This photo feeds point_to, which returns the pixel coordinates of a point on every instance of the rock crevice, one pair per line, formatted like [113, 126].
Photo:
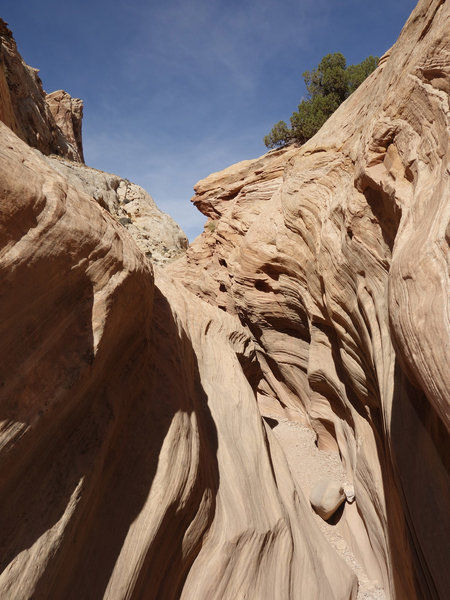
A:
[171, 433]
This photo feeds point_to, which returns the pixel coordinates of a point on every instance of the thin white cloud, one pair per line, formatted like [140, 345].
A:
[208, 37]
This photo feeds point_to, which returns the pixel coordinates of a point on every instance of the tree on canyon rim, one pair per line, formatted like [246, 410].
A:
[328, 86]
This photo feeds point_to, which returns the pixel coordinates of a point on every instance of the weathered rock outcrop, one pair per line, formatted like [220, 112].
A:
[155, 232]
[162, 433]
[25, 110]
[68, 115]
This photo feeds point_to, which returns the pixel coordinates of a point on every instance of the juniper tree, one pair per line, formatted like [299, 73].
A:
[328, 86]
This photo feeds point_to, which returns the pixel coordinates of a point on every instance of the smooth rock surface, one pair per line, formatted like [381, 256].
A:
[326, 497]
[131, 438]
[161, 431]
[341, 275]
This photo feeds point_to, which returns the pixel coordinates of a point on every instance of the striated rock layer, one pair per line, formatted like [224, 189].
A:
[335, 257]
[164, 432]
[130, 436]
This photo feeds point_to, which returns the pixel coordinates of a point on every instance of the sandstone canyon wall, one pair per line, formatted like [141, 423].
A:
[165, 431]
[26, 110]
[52, 123]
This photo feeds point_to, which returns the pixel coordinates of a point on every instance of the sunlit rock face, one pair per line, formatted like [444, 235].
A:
[155, 232]
[171, 433]
[340, 274]
[52, 124]
[68, 115]
[134, 459]
[25, 109]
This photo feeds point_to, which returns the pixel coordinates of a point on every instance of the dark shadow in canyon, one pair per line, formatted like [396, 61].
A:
[41, 389]
[421, 456]
[107, 441]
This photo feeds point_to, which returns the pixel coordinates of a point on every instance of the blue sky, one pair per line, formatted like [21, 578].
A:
[174, 90]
